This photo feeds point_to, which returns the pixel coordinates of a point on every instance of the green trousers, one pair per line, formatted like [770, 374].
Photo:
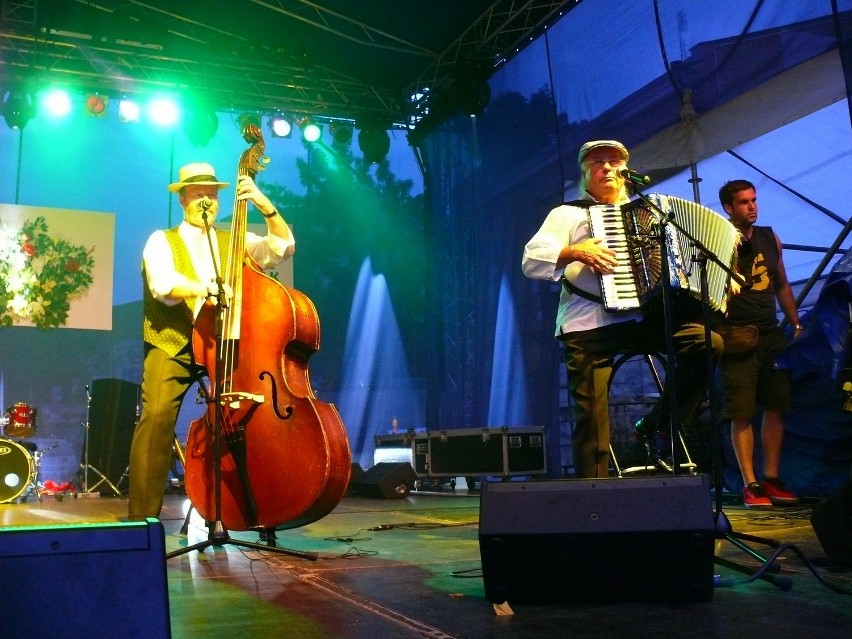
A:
[165, 381]
[589, 358]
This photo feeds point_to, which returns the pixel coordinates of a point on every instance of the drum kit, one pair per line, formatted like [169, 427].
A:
[20, 461]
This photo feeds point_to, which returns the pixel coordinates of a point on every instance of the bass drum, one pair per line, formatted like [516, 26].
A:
[17, 470]
[20, 421]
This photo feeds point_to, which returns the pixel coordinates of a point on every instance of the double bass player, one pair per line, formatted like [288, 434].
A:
[178, 276]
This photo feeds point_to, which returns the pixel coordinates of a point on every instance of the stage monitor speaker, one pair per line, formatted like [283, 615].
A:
[386, 480]
[84, 580]
[832, 523]
[355, 473]
[597, 540]
[112, 419]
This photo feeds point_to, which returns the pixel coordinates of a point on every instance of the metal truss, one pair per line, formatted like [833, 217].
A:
[230, 70]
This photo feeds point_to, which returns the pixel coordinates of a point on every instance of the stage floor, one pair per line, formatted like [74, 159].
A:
[407, 568]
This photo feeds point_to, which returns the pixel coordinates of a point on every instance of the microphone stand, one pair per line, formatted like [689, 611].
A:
[217, 533]
[723, 528]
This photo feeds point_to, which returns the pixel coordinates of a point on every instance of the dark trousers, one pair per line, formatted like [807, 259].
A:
[589, 358]
[165, 381]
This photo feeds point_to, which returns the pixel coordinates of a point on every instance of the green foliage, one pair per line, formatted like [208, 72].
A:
[40, 275]
[353, 211]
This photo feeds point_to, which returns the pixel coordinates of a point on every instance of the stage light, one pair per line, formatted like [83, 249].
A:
[163, 111]
[57, 102]
[279, 126]
[473, 94]
[311, 131]
[200, 123]
[96, 104]
[374, 142]
[341, 133]
[128, 110]
[17, 110]
[246, 118]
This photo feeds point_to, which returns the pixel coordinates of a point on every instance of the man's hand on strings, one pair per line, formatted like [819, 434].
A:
[248, 190]
[211, 291]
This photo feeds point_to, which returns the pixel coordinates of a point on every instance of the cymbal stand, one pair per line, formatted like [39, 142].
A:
[86, 466]
[217, 533]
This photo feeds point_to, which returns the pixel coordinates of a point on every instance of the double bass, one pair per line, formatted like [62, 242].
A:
[283, 455]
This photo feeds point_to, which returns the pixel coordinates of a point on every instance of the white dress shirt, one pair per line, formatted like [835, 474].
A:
[566, 225]
[160, 267]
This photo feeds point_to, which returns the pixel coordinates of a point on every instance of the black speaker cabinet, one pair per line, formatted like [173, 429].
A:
[112, 419]
[355, 473]
[832, 523]
[84, 580]
[636, 539]
[386, 480]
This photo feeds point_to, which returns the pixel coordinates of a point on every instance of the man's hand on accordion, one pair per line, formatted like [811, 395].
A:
[593, 253]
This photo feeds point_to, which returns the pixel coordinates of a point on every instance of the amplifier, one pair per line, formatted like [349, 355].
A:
[112, 576]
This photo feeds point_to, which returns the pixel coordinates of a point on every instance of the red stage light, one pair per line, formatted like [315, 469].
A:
[96, 105]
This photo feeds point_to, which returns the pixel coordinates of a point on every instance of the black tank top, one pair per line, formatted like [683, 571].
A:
[757, 261]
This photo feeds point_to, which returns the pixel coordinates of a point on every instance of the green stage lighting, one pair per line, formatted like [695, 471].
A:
[311, 131]
[17, 109]
[57, 102]
[163, 111]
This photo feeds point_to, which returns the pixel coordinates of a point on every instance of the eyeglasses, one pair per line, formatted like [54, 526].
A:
[615, 163]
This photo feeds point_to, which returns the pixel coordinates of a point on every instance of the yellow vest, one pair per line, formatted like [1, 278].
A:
[170, 327]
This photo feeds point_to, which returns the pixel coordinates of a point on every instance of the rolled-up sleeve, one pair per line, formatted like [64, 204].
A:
[270, 250]
[541, 253]
[160, 270]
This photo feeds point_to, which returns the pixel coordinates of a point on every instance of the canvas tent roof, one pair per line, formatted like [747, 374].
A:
[758, 94]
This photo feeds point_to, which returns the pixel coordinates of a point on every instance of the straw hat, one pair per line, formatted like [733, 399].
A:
[196, 173]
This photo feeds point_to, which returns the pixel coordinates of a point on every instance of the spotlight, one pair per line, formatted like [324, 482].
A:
[473, 94]
[128, 110]
[200, 123]
[96, 104]
[163, 111]
[279, 126]
[374, 142]
[341, 133]
[57, 102]
[245, 119]
[17, 110]
[311, 131]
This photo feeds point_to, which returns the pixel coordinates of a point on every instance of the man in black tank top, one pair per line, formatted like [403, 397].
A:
[751, 379]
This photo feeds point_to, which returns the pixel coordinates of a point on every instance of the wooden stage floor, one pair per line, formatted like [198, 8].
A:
[410, 568]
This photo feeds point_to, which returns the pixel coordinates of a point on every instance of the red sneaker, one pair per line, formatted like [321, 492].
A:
[755, 497]
[777, 491]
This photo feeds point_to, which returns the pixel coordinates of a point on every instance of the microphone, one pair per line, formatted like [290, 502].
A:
[634, 177]
[205, 203]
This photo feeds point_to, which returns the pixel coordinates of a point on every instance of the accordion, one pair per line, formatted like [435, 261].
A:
[633, 231]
